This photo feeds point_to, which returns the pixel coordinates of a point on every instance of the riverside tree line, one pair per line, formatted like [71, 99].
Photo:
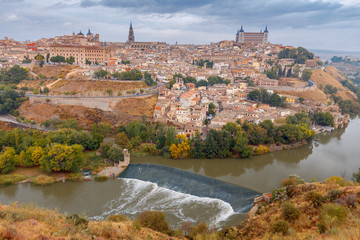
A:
[62, 150]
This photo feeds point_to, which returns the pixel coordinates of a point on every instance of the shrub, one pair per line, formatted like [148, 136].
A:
[77, 220]
[336, 180]
[154, 220]
[44, 180]
[290, 212]
[149, 148]
[350, 200]
[117, 218]
[101, 178]
[335, 193]
[316, 198]
[332, 213]
[196, 232]
[288, 182]
[280, 226]
[75, 177]
[6, 180]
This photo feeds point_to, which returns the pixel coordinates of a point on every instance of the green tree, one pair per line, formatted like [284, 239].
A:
[70, 60]
[212, 108]
[101, 73]
[198, 148]
[324, 119]
[57, 59]
[306, 75]
[257, 135]
[202, 83]
[241, 146]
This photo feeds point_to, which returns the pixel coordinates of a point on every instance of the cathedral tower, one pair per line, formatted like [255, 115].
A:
[131, 37]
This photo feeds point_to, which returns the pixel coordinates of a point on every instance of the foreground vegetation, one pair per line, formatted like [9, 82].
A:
[297, 210]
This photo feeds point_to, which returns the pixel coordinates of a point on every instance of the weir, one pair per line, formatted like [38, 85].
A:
[239, 198]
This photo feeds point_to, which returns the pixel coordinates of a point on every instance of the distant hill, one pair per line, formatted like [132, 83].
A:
[325, 54]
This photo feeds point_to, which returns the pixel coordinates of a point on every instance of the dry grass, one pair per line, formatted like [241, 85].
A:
[137, 106]
[313, 95]
[55, 71]
[81, 86]
[307, 225]
[44, 180]
[32, 223]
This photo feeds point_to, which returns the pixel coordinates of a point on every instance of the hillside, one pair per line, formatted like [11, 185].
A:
[31, 223]
[82, 86]
[313, 95]
[331, 76]
[57, 71]
[129, 109]
[329, 210]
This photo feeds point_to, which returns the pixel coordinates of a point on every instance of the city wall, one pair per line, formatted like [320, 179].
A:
[103, 103]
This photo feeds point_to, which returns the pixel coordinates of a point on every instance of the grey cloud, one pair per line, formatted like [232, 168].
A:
[281, 13]
[148, 6]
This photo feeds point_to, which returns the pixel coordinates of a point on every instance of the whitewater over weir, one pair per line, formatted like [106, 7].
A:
[183, 196]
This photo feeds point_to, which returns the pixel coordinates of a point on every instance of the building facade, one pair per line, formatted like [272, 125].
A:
[252, 37]
[94, 54]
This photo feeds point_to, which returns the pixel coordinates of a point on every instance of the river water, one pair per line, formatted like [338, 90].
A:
[216, 191]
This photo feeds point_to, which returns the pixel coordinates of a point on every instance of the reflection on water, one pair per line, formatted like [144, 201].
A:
[329, 154]
[183, 196]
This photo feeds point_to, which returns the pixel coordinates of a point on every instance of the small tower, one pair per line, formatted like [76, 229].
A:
[131, 37]
[241, 35]
[266, 35]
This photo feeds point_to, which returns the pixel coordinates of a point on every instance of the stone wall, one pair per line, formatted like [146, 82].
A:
[102, 103]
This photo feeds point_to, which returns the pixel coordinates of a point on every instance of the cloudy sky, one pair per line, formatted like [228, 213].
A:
[315, 24]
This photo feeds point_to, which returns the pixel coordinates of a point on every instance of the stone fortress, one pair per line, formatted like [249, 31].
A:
[252, 37]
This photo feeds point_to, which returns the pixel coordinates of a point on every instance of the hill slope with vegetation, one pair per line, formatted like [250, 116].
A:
[298, 210]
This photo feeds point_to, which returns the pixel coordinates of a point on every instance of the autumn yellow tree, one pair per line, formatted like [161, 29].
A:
[62, 158]
[180, 149]
[121, 139]
[7, 160]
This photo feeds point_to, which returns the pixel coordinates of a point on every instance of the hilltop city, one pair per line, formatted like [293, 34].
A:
[189, 78]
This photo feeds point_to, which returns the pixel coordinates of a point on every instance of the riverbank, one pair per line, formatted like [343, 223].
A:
[298, 210]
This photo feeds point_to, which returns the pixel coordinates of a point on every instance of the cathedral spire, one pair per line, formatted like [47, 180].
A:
[131, 37]
[266, 30]
[241, 30]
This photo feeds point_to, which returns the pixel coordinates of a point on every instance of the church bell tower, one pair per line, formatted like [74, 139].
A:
[131, 37]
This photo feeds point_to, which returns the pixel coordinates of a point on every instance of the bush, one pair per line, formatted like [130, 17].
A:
[335, 193]
[290, 212]
[149, 148]
[154, 220]
[316, 198]
[336, 180]
[350, 200]
[44, 180]
[280, 226]
[198, 230]
[101, 178]
[288, 182]
[75, 177]
[77, 220]
[6, 180]
[117, 218]
[333, 214]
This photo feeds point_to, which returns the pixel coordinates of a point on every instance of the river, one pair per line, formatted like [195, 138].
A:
[217, 191]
